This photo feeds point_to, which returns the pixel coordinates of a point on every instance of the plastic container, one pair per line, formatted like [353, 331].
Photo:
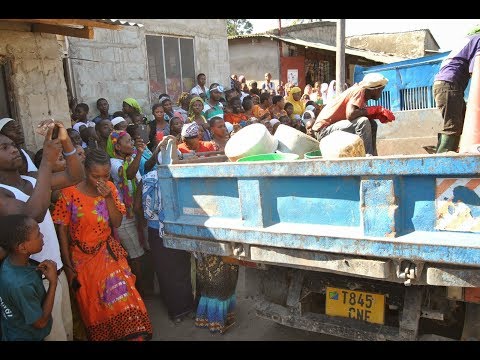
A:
[251, 140]
[341, 144]
[269, 157]
[316, 154]
[292, 141]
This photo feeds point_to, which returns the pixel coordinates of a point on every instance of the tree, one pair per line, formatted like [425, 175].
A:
[238, 27]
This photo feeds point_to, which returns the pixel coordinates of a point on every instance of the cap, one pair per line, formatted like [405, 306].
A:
[117, 120]
[373, 81]
[5, 121]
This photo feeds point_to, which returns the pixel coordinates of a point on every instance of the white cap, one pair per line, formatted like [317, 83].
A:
[373, 81]
[117, 120]
[4, 121]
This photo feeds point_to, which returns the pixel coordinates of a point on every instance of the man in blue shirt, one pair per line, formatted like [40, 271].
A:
[449, 88]
[103, 107]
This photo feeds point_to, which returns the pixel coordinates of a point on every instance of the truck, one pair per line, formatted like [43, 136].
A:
[375, 248]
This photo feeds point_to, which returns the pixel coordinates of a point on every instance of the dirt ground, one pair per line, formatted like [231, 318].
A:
[248, 326]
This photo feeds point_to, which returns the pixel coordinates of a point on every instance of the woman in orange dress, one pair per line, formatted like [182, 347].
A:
[95, 264]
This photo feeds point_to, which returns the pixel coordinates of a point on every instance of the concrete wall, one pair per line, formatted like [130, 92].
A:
[38, 82]
[430, 44]
[253, 58]
[210, 41]
[114, 64]
[410, 44]
[320, 31]
[325, 34]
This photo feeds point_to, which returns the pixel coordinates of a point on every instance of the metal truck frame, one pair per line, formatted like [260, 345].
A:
[331, 237]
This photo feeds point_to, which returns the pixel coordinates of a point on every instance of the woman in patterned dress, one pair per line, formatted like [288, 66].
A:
[216, 281]
[95, 264]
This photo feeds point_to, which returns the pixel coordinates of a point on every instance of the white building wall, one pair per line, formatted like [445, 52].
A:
[114, 64]
[253, 57]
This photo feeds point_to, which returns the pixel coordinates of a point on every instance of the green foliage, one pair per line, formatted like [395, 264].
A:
[238, 27]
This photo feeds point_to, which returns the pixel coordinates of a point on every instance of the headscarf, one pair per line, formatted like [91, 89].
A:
[190, 130]
[274, 121]
[133, 103]
[312, 116]
[330, 92]
[298, 106]
[308, 89]
[127, 195]
[190, 106]
[163, 98]
[182, 98]
[323, 91]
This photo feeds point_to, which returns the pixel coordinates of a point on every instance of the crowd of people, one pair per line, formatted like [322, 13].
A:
[84, 214]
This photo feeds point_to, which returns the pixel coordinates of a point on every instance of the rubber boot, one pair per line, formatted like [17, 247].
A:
[447, 143]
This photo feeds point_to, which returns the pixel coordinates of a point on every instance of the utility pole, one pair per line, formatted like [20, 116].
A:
[280, 52]
[340, 59]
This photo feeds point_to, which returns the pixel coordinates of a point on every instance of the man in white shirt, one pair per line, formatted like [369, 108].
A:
[199, 89]
[269, 85]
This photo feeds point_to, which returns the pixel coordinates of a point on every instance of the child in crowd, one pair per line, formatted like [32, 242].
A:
[289, 109]
[176, 128]
[25, 306]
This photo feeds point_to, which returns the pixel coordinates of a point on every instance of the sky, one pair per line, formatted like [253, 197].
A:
[446, 32]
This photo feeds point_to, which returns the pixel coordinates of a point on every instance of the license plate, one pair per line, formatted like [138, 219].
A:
[357, 305]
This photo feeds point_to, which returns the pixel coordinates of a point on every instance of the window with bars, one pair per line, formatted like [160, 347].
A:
[417, 98]
[170, 66]
[383, 101]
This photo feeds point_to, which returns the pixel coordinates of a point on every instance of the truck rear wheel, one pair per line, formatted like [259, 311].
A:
[471, 325]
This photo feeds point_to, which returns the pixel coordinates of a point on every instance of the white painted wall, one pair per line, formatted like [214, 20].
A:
[253, 57]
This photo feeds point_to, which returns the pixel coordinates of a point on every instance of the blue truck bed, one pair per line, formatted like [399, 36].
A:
[422, 208]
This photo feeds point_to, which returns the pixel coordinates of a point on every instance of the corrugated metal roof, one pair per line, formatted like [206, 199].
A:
[118, 22]
[383, 58]
[249, 36]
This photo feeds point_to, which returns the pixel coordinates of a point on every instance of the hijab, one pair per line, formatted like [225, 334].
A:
[298, 106]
